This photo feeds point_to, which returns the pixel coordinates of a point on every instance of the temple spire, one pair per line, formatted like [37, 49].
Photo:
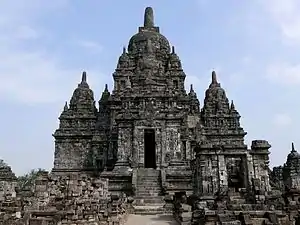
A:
[106, 88]
[191, 89]
[232, 106]
[66, 106]
[83, 78]
[148, 18]
[214, 81]
[173, 50]
[214, 77]
[293, 147]
[83, 83]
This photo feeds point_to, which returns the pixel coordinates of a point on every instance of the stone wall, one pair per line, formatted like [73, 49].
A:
[71, 199]
[194, 210]
[65, 150]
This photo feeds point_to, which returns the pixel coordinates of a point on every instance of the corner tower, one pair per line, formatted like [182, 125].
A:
[76, 129]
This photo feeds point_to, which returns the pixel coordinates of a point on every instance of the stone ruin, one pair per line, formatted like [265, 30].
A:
[63, 200]
[150, 148]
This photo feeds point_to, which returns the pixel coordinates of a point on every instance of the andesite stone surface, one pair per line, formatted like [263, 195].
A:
[149, 148]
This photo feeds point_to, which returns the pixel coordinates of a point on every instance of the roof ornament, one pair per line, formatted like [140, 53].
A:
[148, 18]
[66, 106]
[214, 77]
[83, 83]
[173, 50]
[232, 106]
[214, 81]
[293, 147]
[191, 88]
[83, 78]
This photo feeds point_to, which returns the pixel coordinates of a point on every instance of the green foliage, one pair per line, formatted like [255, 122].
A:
[27, 180]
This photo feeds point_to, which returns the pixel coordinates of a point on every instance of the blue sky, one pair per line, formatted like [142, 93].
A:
[45, 45]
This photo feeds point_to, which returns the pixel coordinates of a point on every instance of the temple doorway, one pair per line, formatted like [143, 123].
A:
[149, 146]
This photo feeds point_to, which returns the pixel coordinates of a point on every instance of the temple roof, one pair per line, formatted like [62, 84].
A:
[149, 32]
[83, 96]
[293, 154]
[215, 97]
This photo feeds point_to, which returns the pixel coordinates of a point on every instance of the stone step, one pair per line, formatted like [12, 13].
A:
[148, 172]
[143, 188]
[145, 201]
[147, 194]
[148, 186]
[143, 184]
[149, 210]
[151, 181]
[148, 175]
[160, 197]
[148, 179]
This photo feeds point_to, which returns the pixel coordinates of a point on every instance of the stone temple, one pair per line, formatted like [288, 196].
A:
[149, 126]
[150, 148]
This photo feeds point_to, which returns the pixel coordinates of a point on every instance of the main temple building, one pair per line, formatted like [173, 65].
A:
[150, 126]
[148, 139]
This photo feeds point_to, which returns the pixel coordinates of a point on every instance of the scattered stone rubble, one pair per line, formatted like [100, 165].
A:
[70, 199]
[150, 148]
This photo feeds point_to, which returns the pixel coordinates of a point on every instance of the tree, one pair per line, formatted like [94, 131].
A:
[28, 179]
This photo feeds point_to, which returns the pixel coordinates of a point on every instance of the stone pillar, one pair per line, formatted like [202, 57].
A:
[189, 150]
[159, 151]
[173, 145]
[222, 172]
[124, 146]
[164, 147]
[260, 155]
[250, 169]
[136, 147]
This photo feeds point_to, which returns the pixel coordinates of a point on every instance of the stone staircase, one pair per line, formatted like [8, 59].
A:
[148, 199]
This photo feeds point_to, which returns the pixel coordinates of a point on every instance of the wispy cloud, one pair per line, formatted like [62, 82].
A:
[91, 46]
[31, 75]
[286, 15]
[284, 73]
[282, 119]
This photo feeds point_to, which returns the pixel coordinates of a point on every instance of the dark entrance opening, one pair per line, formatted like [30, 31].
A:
[149, 146]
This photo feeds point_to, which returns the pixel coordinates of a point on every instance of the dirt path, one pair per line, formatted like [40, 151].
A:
[150, 220]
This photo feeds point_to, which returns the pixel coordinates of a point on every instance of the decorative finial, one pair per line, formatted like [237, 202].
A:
[83, 78]
[66, 106]
[214, 82]
[232, 106]
[293, 147]
[191, 89]
[124, 50]
[106, 88]
[148, 18]
[173, 50]
[214, 77]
